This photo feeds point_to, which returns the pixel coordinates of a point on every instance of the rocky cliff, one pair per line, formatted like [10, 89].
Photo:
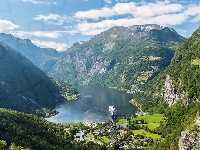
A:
[170, 92]
[190, 139]
[121, 57]
[176, 93]
[180, 81]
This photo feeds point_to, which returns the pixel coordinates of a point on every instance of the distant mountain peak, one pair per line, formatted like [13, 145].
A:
[114, 57]
[44, 58]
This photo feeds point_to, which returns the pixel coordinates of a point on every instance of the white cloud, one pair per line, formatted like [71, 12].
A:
[46, 18]
[108, 1]
[51, 44]
[95, 21]
[194, 11]
[134, 9]
[53, 18]
[47, 34]
[196, 19]
[128, 14]
[39, 2]
[98, 27]
[7, 25]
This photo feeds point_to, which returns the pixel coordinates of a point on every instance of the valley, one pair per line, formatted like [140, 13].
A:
[151, 65]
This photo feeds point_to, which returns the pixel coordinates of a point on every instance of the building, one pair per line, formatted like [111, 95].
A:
[80, 136]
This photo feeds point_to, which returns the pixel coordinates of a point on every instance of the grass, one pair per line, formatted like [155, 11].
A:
[152, 120]
[96, 140]
[121, 121]
[156, 118]
[196, 62]
[148, 134]
[88, 136]
[105, 139]
[153, 125]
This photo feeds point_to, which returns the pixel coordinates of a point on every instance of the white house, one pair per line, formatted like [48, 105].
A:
[80, 136]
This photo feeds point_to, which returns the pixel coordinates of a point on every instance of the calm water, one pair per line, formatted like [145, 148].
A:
[93, 106]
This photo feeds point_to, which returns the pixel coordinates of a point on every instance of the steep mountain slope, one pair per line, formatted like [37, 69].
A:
[121, 57]
[180, 80]
[23, 86]
[43, 58]
[177, 87]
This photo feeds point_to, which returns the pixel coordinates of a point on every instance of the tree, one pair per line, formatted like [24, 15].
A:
[3, 144]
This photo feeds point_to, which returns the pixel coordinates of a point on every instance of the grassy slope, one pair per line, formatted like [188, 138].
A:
[148, 134]
[153, 121]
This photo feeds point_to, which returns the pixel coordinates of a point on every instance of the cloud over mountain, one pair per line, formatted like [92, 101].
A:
[7, 25]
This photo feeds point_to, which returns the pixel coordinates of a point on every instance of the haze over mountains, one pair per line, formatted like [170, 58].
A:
[121, 57]
[44, 58]
[156, 62]
[24, 87]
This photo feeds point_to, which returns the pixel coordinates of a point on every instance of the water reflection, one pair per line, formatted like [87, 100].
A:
[93, 106]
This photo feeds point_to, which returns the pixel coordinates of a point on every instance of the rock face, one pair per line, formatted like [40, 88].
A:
[122, 57]
[197, 123]
[170, 93]
[190, 140]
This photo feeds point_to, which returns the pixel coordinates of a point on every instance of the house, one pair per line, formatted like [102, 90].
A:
[80, 136]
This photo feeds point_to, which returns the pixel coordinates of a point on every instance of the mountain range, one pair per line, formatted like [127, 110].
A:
[44, 58]
[26, 88]
[154, 61]
[121, 57]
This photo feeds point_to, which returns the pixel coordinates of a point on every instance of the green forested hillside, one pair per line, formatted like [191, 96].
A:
[35, 133]
[43, 58]
[185, 67]
[177, 87]
[121, 57]
[26, 88]
[184, 74]
[66, 90]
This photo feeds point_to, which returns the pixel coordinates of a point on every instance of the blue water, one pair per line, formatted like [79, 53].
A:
[93, 106]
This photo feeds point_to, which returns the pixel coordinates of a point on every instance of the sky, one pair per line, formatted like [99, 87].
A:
[59, 24]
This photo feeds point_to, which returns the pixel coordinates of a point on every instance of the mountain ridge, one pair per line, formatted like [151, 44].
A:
[44, 58]
[26, 88]
[113, 57]
[176, 93]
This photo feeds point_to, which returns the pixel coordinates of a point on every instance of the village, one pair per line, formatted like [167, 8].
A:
[133, 132]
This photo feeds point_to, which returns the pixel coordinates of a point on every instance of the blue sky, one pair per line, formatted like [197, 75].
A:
[59, 24]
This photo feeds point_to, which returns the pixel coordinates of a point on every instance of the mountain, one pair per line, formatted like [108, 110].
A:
[121, 57]
[44, 58]
[180, 80]
[176, 93]
[24, 87]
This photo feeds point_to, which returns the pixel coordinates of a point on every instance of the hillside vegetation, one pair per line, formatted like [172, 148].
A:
[43, 58]
[26, 88]
[121, 57]
[177, 87]
[35, 133]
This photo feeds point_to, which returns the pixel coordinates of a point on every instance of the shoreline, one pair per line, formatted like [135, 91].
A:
[132, 101]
